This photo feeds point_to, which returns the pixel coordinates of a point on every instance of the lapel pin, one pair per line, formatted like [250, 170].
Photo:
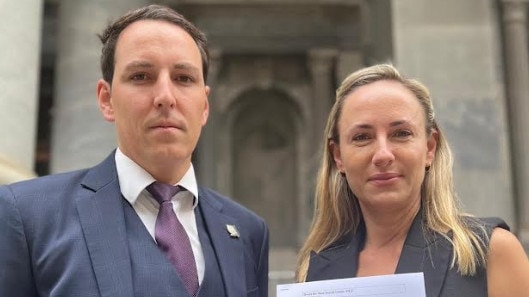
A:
[232, 230]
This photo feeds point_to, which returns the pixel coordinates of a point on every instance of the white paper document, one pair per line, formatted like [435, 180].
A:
[394, 285]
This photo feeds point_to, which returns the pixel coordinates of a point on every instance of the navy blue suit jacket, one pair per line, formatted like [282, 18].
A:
[65, 235]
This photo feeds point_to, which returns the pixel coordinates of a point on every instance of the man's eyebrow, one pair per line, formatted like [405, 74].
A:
[138, 64]
[186, 66]
[146, 65]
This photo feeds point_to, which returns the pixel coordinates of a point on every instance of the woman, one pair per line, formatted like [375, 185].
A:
[385, 202]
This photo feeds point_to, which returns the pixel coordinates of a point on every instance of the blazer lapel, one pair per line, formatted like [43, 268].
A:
[101, 214]
[338, 261]
[229, 250]
[429, 253]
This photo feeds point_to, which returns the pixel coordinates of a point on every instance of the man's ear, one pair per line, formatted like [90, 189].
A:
[104, 100]
[205, 113]
[337, 155]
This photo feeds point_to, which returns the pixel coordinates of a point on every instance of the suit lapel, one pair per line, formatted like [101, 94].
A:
[102, 219]
[429, 253]
[229, 250]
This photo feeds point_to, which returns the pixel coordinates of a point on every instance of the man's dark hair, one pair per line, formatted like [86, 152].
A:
[110, 35]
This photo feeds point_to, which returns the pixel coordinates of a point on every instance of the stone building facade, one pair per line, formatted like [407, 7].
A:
[275, 66]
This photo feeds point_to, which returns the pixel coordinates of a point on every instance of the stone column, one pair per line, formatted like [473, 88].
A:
[80, 135]
[207, 148]
[453, 47]
[21, 23]
[321, 65]
[347, 62]
[517, 78]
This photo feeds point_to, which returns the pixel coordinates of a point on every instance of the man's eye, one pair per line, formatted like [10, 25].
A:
[139, 76]
[184, 78]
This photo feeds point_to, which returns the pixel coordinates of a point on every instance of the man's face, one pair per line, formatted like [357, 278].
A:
[158, 98]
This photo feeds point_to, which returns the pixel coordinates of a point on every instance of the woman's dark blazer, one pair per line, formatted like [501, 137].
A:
[422, 252]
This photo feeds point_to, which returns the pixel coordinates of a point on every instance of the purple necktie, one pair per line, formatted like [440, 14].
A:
[171, 236]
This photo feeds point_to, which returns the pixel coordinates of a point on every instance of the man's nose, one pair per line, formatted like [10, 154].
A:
[164, 92]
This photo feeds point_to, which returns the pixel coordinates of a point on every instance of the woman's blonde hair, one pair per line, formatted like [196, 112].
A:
[337, 212]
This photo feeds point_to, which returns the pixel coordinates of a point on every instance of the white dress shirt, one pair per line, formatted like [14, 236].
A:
[133, 180]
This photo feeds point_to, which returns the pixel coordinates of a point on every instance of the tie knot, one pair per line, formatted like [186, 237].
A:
[163, 192]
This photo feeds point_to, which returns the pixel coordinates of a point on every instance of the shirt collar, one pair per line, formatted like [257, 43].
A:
[133, 179]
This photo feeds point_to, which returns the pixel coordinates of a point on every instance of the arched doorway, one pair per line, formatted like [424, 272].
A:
[264, 161]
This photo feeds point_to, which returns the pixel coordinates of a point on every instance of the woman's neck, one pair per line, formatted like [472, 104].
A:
[388, 228]
[384, 241]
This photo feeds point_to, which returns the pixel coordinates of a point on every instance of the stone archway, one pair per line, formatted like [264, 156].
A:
[264, 162]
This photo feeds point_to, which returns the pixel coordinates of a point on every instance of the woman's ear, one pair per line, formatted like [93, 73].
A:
[337, 156]
[431, 145]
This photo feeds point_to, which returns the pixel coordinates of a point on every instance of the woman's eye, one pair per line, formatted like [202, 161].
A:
[360, 137]
[403, 133]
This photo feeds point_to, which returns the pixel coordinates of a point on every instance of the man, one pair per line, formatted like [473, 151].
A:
[97, 232]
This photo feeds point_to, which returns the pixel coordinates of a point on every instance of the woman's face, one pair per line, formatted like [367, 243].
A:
[383, 148]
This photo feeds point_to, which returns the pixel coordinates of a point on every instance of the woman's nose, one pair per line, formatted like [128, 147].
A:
[383, 155]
